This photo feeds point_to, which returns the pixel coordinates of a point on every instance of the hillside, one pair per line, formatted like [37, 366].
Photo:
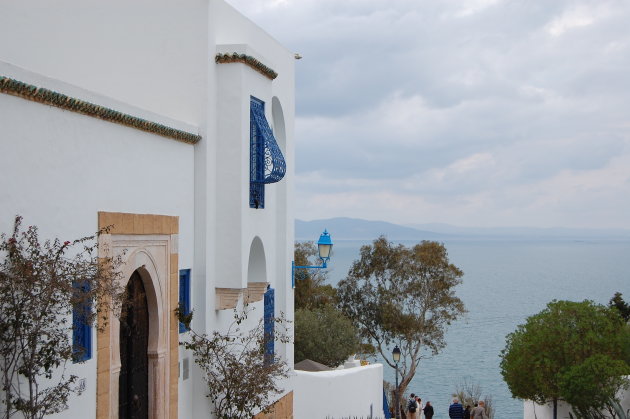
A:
[355, 229]
[344, 228]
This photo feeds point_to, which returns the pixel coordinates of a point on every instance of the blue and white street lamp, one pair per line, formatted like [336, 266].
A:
[324, 246]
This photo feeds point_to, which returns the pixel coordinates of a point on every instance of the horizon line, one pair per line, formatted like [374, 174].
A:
[416, 226]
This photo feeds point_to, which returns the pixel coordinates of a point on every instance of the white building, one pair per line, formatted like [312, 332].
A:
[137, 114]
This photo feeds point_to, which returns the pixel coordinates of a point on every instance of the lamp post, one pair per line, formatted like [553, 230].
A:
[396, 357]
[324, 246]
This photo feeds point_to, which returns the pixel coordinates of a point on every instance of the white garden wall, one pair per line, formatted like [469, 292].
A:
[532, 410]
[352, 392]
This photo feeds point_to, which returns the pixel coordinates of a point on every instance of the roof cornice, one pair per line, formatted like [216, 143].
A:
[49, 97]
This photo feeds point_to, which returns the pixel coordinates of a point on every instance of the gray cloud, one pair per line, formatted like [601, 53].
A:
[483, 112]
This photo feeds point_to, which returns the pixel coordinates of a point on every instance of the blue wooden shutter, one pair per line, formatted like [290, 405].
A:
[184, 294]
[81, 330]
[269, 317]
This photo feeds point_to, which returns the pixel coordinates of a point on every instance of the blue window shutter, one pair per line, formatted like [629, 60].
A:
[269, 317]
[184, 294]
[267, 163]
[81, 329]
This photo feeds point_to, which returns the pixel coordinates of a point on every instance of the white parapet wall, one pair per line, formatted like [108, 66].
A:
[532, 410]
[346, 393]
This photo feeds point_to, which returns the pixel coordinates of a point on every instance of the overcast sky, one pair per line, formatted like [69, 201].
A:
[468, 112]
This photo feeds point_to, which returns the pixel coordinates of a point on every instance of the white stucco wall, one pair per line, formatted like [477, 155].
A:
[532, 410]
[61, 168]
[154, 60]
[236, 224]
[148, 53]
[352, 392]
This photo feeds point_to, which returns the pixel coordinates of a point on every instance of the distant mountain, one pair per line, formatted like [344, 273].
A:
[343, 228]
[355, 229]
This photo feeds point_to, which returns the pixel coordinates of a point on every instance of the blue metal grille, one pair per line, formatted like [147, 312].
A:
[256, 166]
[81, 330]
[184, 295]
[267, 163]
[388, 414]
[269, 318]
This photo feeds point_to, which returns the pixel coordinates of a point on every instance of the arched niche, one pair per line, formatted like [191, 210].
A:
[256, 271]
[279, 131]
[282, 251]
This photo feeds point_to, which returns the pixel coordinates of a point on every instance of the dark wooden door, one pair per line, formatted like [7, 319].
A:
[134, 339]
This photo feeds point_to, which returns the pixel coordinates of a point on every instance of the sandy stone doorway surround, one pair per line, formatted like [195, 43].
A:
[148, 244]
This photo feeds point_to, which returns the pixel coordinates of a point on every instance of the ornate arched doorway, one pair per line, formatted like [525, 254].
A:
[147, 245]
[133, 390]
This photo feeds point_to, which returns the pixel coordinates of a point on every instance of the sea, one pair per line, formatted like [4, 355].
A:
[505, 281]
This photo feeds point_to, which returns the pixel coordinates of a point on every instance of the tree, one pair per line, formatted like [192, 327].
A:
[241, 380]
[316, 314]
[618, 303]
[402, 295]
[310, 290]
[40, 286]
[314, 340]
[625, 337]
[590, 387]
[539, 356]
[469, 393]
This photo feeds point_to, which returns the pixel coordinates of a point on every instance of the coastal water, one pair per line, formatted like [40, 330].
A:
[504, 282]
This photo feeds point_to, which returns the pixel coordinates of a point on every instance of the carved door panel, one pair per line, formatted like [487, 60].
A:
[134, 339]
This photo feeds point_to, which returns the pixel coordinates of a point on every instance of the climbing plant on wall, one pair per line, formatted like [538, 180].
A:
[235, 366]
[47, 289]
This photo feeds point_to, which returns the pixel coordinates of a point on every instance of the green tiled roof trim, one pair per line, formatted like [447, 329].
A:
[247, 60]
[59, 100]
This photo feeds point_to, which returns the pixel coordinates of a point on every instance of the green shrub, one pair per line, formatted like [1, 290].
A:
[324, 335]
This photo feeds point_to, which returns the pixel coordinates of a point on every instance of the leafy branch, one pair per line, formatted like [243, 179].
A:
[40, 286]
[241, 380]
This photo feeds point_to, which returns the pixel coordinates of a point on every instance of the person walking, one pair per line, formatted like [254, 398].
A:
[412, 407]
[479, 412]
[467, 412]
[428, 411]
[456, 411]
